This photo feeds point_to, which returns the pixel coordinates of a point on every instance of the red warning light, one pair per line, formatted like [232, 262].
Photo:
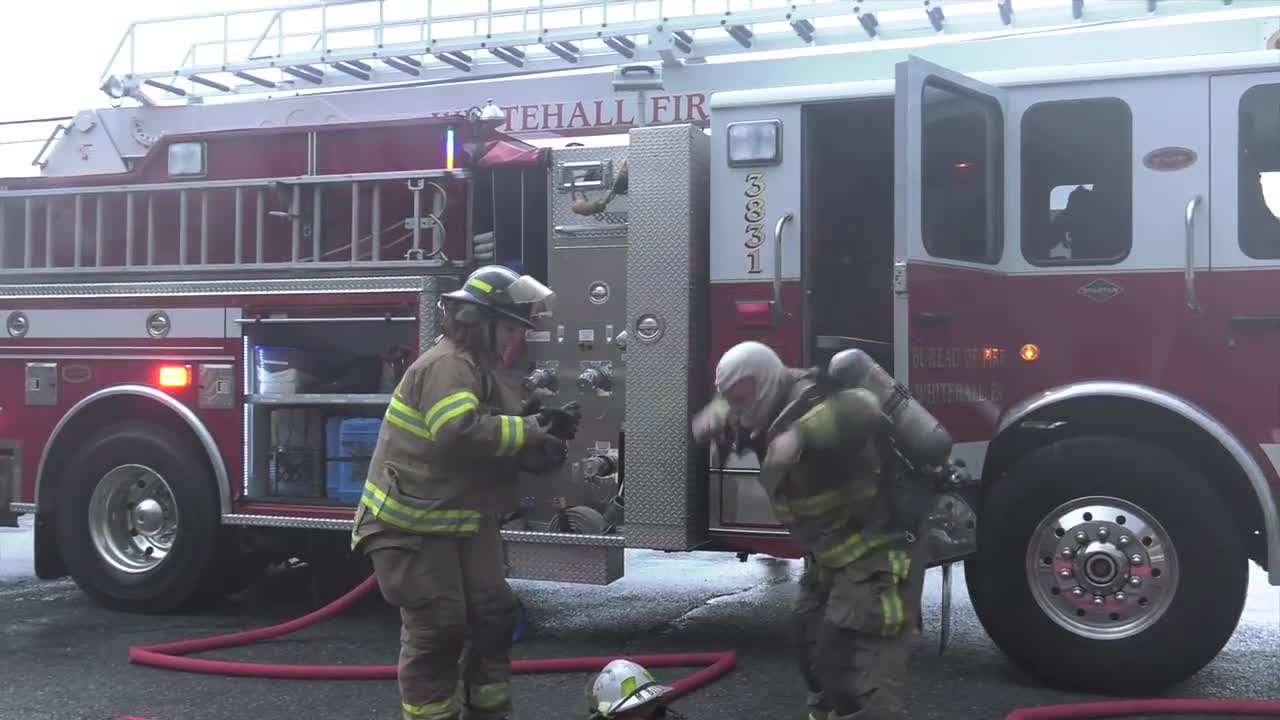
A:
[174, 376]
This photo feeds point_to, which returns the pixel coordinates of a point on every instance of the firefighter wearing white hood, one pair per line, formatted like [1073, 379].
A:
[860, 591]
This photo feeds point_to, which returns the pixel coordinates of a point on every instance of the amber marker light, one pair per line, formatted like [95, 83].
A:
[1029, 352]
[174, 376]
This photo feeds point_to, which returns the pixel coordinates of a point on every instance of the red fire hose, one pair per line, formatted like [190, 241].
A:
[168, 655]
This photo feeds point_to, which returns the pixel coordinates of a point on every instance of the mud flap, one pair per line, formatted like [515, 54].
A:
[8, 488]
[944, 625]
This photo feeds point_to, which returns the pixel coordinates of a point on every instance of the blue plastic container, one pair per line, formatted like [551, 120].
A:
[350, 443]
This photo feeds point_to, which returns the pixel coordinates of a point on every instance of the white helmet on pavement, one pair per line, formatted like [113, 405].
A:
[623, 687]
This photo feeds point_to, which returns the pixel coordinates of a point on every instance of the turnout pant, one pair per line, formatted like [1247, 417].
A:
[457, 614]
[855, 625]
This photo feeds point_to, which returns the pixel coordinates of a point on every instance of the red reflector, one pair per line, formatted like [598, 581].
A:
[755, 313]
[174, 376]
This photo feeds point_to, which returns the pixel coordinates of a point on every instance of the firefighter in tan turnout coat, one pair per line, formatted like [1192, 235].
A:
[443, 471]
[822, 466]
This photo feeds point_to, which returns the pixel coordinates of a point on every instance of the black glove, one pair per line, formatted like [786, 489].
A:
[543, 456]
[561, 422]
[531, 406]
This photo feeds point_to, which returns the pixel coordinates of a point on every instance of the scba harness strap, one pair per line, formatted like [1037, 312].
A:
[910, 493]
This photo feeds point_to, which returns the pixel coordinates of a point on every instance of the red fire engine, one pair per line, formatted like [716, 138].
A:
[206, 306]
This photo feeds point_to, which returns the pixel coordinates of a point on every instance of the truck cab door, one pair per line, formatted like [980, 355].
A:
[1240, 296]
[950, 208]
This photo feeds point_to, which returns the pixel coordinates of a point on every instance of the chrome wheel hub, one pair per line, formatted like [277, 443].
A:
[1102, 568]
[133, 518]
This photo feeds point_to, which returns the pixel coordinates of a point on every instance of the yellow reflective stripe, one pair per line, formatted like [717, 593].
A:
[450, 407]
[407, 425]
[899, 565]
[827, 501]
[851, 549]
[510, 434]
[892, 611]
[819, 426]
[480, 285]
[440, 710]
[519, 423]
[783, 511]
[403, 416]
[490, 696]
[629, 685]
[399, 404]
[504, 434]
[397, 514]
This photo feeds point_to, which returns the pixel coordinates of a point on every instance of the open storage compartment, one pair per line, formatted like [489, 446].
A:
[318, 380]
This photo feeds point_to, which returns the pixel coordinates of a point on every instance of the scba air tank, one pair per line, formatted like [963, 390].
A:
[917, 434]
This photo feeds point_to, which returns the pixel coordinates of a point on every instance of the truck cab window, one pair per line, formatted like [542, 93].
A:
[963, 175]
[1259, 172]
[1077, 182]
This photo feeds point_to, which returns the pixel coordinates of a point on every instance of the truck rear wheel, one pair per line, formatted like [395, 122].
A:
[1107, 565]
[138, 518]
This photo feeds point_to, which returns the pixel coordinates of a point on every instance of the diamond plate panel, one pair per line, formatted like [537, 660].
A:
[556, 557]
[667, 281]
[586, 252]
[588, 564]
[569, 229]
[433, 286]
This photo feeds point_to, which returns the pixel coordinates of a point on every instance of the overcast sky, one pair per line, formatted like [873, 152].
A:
[54, 52]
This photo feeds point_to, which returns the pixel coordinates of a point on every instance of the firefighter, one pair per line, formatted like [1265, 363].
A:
[442, 472]
[625, 690]
[822, 463]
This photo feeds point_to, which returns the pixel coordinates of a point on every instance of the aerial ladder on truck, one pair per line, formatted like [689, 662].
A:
[550, 63]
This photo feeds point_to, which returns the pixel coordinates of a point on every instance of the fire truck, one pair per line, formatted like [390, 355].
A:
[1054, 225]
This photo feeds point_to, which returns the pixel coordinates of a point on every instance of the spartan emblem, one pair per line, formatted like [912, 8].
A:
[1100, 290]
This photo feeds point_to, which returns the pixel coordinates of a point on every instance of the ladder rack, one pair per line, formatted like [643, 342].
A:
[335, 43]
[316, 222]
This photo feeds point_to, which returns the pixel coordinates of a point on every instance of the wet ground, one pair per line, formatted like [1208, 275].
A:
[61, 658]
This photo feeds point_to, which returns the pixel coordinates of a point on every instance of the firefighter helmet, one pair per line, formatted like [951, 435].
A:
[623, 687]
[503, 292]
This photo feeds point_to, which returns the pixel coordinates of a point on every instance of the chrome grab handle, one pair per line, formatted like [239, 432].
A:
[777, 265]
[1189, 272]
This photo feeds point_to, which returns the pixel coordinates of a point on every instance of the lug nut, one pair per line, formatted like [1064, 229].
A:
[1068, 553]
[1120, 596]
[1081, 537]
[1135, 559]
[1135, 581]
[1064, 573]
[1077, 591]
[1103, 533]
[1123, 540]
[1098, 600]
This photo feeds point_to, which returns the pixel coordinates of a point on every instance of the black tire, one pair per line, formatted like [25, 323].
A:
[191, 556]
[1211, 566]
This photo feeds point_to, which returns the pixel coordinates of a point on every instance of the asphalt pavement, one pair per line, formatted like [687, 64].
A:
[62, 658]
